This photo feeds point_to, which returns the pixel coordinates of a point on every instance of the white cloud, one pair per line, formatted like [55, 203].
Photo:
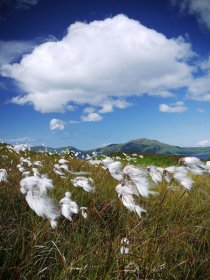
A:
[56, 124]
[109, 105]
[89, 110]
[12, 50]
[199, 88]
[100, 62]
[204, 143]
[199, 8]
[178, 107]
[91, 117]
[22, 139]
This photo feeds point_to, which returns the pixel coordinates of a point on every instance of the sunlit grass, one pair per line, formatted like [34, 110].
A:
[170, 241]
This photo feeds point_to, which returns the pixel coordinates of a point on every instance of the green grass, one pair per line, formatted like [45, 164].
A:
[170, 241]
[149, 159]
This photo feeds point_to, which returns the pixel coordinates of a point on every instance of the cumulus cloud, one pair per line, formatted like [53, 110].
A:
[56, 124]
[100, 63]
[204, 143]
[91, 117]
[199, 8]
[109, 105]
[177, 107]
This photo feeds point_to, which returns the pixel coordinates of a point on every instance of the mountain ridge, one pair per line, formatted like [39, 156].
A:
[141, 145]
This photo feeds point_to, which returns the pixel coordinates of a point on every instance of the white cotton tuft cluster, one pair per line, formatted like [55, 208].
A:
[62, 161]
[155, 174]
[34, 189]
[21, 148]
[194, 165]
[68, 206]
[192, 161]
[26, 160]
[3, 175]
[26, 163]
[42, 184]
[84, 212]
[94, 161]
[37, 163]
[21, 168]
[61, 167]
[134, 183]
[138, 178]
[181, 175]
[83, 182]
[171, 174]
[35, 171]
[115, 169]
[125, 246]
[125, 193]
[207, 167]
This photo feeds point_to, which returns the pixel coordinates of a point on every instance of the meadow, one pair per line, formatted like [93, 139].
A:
[171, 240]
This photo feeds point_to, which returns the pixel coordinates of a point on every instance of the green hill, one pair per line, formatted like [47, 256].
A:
[147, 146]
[142, 145]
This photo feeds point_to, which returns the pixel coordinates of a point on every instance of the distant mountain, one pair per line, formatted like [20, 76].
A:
[142, 145]
[147, 146]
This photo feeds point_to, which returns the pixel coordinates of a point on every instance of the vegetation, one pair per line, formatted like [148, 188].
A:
[170, 241]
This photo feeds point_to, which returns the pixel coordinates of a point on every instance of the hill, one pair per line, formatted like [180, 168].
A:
[142, 145]
[147, 146]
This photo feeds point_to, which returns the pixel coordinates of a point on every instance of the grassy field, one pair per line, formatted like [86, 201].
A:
[170, 241]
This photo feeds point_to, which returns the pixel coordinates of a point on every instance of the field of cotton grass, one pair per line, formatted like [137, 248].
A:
[119, 217]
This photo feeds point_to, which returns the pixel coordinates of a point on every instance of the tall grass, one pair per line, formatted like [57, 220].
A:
[170, 241]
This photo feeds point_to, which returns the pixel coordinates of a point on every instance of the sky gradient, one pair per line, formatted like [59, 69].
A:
[92, 73]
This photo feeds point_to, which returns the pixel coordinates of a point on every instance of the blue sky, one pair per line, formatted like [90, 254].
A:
[91, 73]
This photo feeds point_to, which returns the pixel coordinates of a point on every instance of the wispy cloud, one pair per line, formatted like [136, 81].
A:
[200, 110]
[199, 8]
[177, 107]
[204, 143]
[18, 4]
[26, 4]
[21, 139]
[74, 122]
